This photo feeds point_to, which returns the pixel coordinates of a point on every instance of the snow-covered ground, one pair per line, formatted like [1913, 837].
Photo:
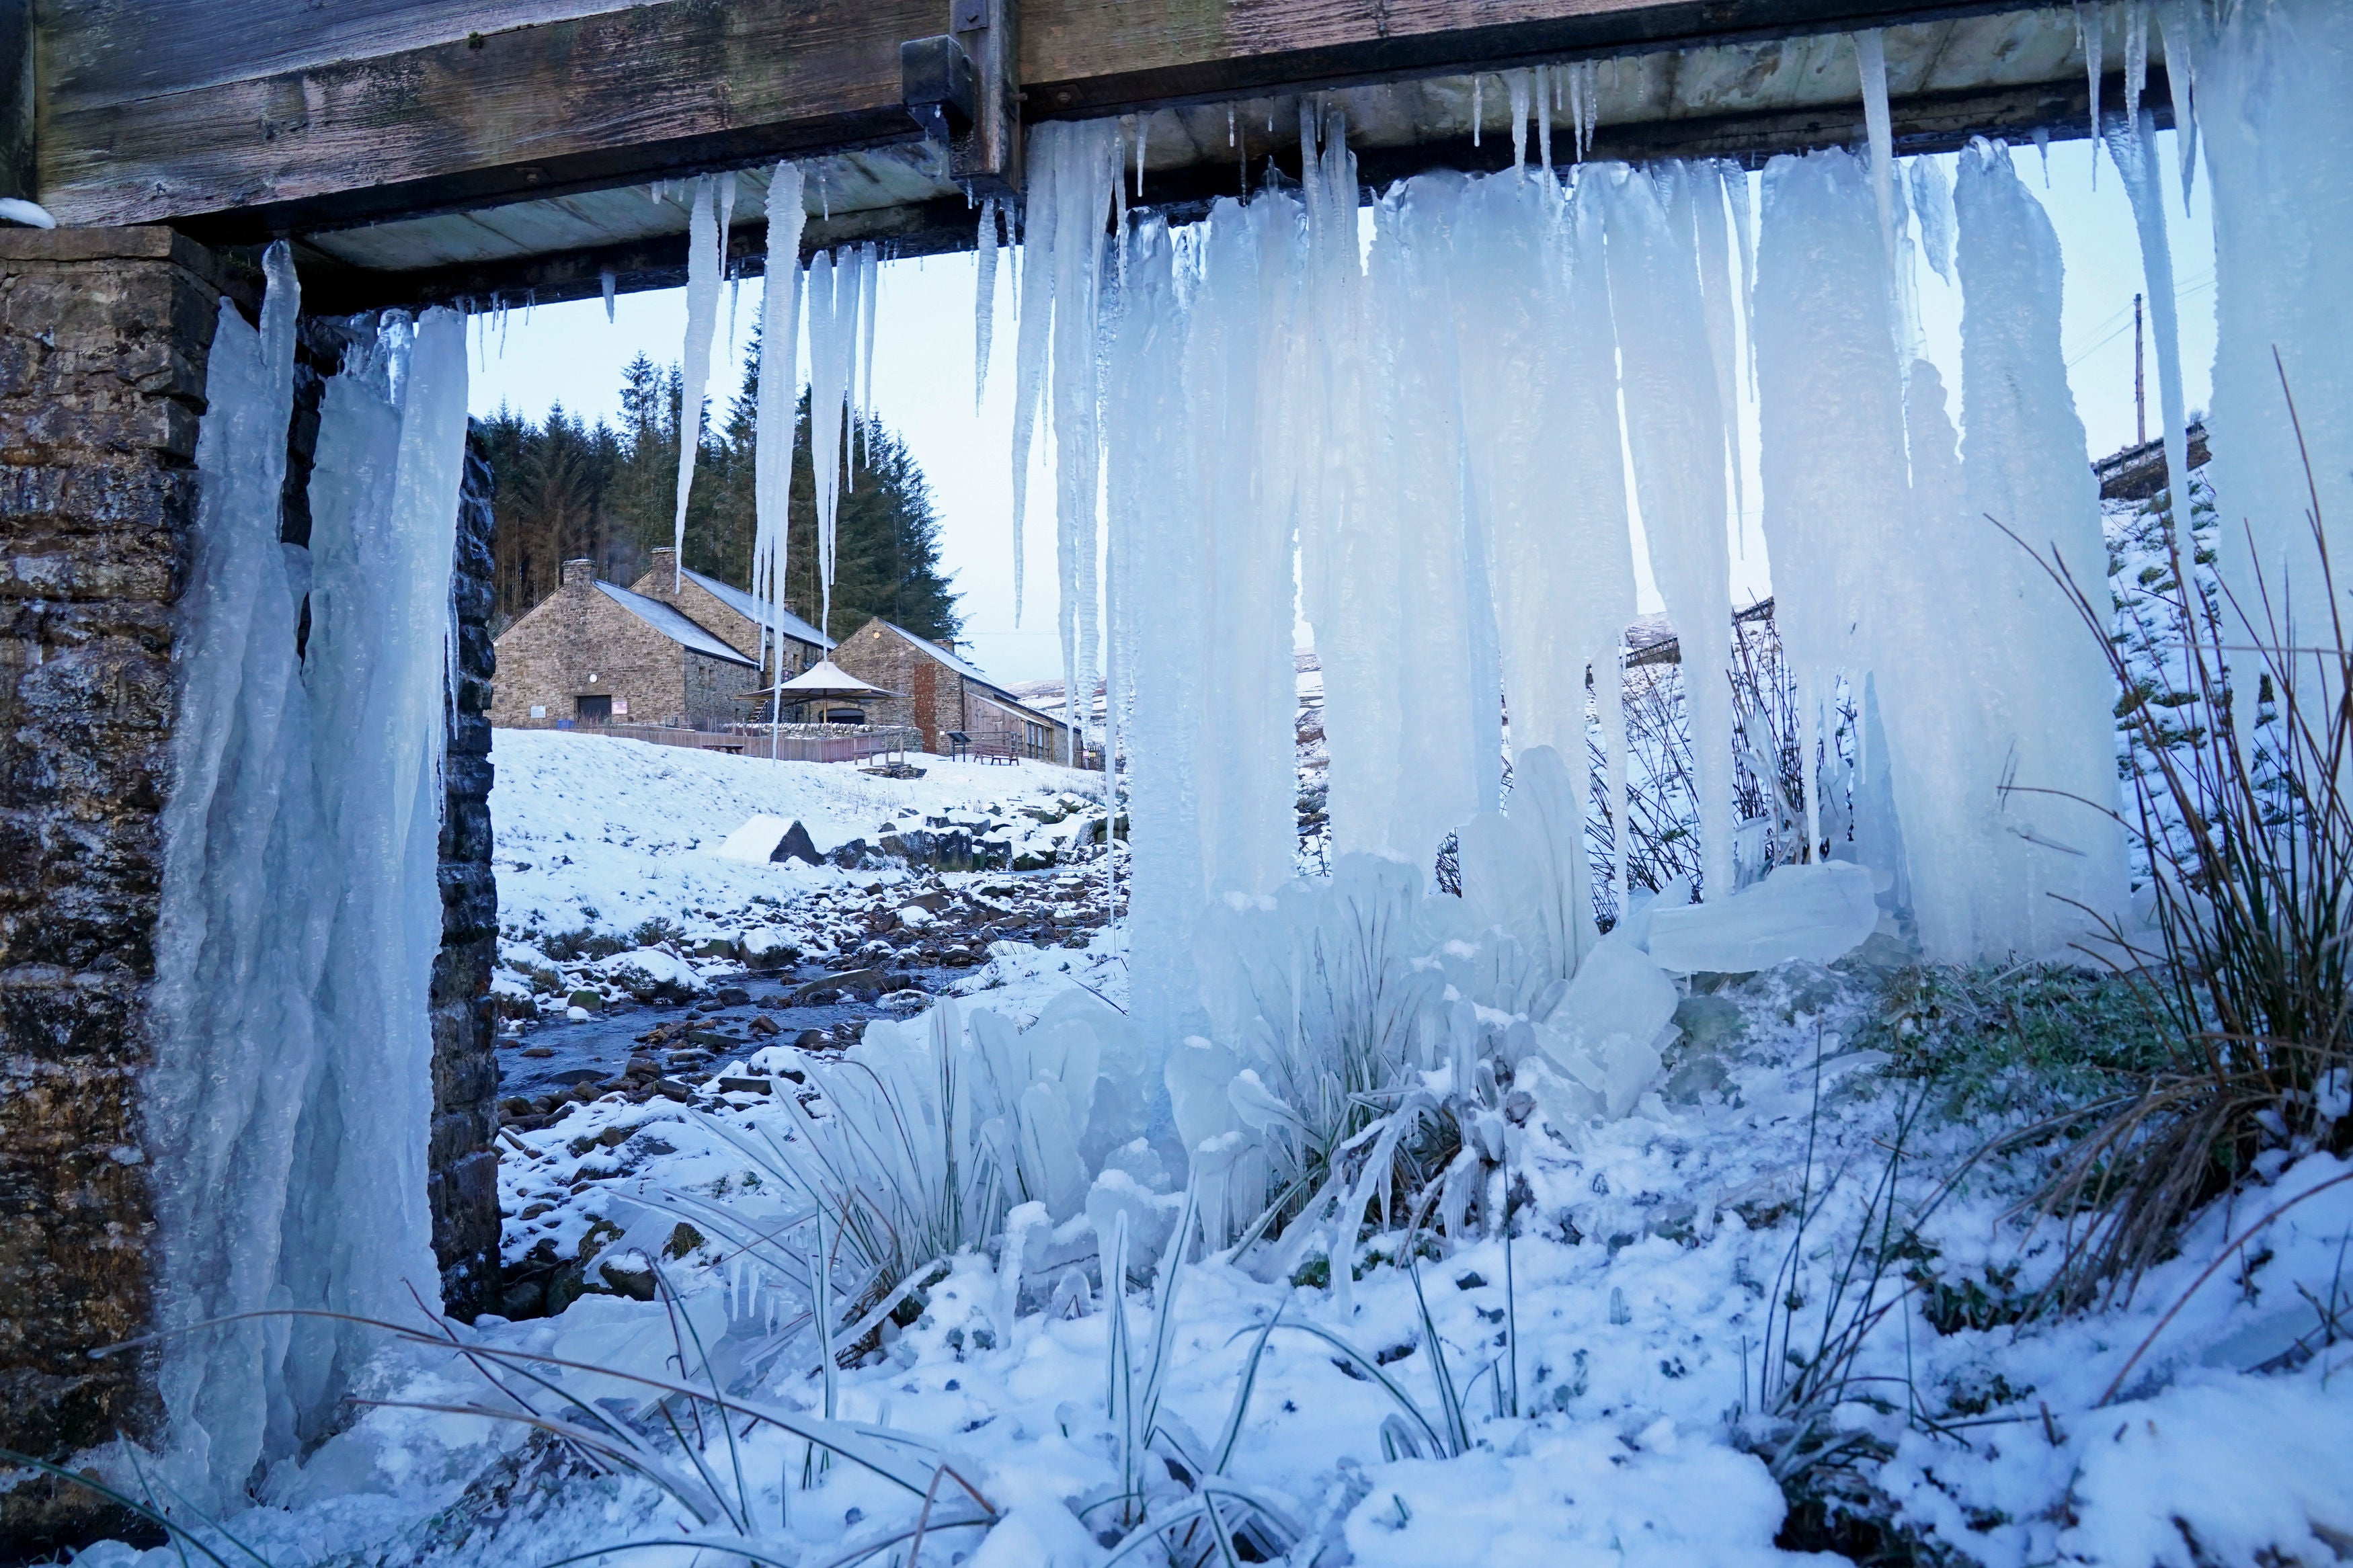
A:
[1621, 1364]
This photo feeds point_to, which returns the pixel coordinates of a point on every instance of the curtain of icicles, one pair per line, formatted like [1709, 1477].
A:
[292, 1093]
[1437, 427]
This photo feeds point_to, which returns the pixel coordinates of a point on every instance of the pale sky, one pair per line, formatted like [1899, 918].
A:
[923, 380]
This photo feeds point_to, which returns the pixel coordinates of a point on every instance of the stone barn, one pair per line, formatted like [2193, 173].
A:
[944, 693]
[677, 649]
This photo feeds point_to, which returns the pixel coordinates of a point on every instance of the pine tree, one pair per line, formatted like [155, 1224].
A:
[567, 490]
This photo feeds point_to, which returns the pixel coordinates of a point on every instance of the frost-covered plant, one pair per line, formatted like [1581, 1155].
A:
[2244, 820]
[1320, 1010]
[1380, 1047]
[914, 1145]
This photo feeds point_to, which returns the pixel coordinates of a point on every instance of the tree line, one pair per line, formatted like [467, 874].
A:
[567, 490]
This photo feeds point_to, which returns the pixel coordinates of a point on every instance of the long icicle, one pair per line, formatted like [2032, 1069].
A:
[702, 319]
[984, 308]
[773, 418]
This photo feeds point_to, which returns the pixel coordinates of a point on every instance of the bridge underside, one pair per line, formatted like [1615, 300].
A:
[413, 158]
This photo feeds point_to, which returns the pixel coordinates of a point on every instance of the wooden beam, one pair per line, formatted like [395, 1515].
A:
[256, 135]
[581, 103]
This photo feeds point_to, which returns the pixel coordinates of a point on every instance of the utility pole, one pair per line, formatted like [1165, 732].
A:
[2140, 397]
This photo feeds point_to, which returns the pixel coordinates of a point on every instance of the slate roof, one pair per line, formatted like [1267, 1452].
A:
[759, 614]
[673, 626]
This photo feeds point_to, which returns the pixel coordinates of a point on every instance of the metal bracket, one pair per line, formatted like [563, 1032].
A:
[960, 89]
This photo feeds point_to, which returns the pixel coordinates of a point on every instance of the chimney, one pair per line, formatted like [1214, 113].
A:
[579, 574]
[662, 576]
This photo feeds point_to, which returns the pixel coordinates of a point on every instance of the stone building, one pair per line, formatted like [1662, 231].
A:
[679, 648]
[943, 693]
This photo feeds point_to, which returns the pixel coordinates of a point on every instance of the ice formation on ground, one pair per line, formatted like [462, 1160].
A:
[301, 907]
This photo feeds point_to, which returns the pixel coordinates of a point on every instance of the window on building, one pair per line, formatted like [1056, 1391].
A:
[593, 710]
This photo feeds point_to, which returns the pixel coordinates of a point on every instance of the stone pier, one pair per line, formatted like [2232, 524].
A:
[103, 341]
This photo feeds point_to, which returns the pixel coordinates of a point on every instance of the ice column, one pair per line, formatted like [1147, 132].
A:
[1831, 402]
[391, 438]
[236, 964]
[2275, 87]
[1239, 398]
[772, 415]
[1085, 157]
[1675, 429]
[301, 910]
[2023, 466]
[702, 321]
[1156, 536]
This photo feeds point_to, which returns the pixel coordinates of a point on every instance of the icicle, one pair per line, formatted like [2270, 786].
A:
[1517, 84]
[2088, 32]
[984, 314]
[1715, 294]
[2135, 56]
[2042, 145]
[702, 321]
[2180, 80]
[1743, 245]
[1576, 107]
[1478, 105]
[833, 335]
[727, 269]
[774, 413]
[2133, 145]
[1675, 434]
[1932, 204]
[2024, 464]
[1142, 128]
[870, 300]
[1546, 90]
[605, 280]
[1592, 69]
[1870, 54]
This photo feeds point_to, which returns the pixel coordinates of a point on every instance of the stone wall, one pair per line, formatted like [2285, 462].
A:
[103, 338]
[462, 1178]
[714, 690]
[548, 657]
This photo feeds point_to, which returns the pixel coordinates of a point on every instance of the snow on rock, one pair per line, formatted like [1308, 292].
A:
[648, 971]
[1814, 913]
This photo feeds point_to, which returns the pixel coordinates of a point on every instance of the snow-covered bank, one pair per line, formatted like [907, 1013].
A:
[1628, 1318]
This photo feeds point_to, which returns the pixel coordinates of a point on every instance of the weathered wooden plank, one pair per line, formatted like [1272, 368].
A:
[106, 51]
[570, 105]
[1086, 57]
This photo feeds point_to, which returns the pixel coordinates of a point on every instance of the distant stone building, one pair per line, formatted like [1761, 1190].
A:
[941, 693]
[679, 648]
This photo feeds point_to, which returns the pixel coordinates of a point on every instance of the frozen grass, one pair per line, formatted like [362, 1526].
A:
[2244, 822]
